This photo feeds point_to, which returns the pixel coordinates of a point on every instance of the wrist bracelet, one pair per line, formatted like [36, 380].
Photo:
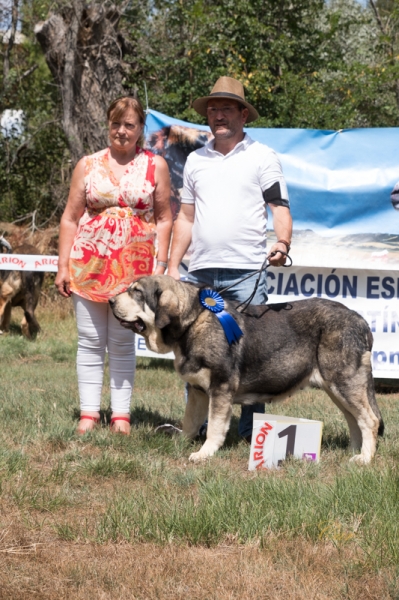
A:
[162, 263]
[288, 246]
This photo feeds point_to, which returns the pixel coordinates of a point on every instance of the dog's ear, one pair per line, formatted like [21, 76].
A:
[168, 307]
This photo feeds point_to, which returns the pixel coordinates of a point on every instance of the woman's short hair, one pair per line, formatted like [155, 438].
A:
[119, 106]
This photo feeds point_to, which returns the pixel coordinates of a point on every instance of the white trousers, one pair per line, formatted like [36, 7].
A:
[98, 332]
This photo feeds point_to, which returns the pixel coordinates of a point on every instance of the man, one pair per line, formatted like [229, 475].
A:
[226, 187]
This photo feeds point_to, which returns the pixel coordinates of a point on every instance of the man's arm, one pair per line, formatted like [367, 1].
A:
[282, 225]
[181, 238]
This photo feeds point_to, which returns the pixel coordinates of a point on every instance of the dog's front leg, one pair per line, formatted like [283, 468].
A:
[196, 412]
[219, 416]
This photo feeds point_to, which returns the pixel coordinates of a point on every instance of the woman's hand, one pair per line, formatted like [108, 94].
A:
[62, 282]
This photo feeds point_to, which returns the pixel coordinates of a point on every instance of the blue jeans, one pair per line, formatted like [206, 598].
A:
[218, 279]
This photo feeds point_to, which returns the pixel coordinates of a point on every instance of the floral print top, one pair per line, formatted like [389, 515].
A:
[116, 238]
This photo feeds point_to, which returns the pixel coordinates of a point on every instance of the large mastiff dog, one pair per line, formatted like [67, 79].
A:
[285, 347]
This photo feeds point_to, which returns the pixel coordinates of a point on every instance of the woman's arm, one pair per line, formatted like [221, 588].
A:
[162, 211]
[181, 238]
[69, 223]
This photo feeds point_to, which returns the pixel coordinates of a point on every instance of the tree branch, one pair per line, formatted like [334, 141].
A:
[28, 72]
[377, 16]
[10, 43]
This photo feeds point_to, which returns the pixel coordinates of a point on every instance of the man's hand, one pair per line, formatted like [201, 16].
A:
[282, 225]
[276, 258]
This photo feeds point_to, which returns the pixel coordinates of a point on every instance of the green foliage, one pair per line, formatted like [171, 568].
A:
[34, 164]
[303, 63]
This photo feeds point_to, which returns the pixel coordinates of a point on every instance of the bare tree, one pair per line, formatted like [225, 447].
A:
[84, 51]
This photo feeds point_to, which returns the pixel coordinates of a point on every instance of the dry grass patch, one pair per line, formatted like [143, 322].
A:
[51, 570]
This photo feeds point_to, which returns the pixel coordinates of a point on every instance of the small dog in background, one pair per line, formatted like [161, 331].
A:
[20, 288]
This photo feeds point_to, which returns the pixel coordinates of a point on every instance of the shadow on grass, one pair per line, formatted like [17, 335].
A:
[145, 364]
[14, 330]
[334, 440]
[140, 415]
[233, 438]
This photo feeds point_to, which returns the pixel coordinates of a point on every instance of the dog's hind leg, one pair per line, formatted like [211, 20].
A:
[219, 416]
[355, 439]
[5, 317]
[196, 412]
[352, 399]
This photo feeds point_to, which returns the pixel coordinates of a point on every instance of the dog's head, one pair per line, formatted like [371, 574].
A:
[149, 305]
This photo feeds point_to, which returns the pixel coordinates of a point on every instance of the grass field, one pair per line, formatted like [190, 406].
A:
[109, 517]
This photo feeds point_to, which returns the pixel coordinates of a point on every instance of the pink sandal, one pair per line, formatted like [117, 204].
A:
[96, 421]
[113, 421]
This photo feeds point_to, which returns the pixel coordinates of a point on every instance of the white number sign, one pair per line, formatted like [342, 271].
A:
[275, 438]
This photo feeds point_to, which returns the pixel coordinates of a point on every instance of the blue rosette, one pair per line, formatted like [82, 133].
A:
[214, 302]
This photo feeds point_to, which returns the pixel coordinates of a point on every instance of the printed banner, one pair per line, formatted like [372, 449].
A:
[28, 262]
[373, 294]
[339, 184]
[345, 244]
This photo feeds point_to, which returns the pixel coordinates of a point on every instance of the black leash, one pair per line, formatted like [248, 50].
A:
[264, 267]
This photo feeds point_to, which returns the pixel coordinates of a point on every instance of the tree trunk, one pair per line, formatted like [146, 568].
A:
[84, 51]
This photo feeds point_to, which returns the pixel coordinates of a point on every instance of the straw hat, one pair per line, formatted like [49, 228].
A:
[230, 89]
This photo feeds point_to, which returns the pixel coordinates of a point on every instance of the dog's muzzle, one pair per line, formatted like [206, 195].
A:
[138, 325]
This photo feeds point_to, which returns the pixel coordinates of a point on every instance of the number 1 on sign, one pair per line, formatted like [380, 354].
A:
[290, 432]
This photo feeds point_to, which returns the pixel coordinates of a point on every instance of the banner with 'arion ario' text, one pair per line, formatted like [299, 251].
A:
[345, 244]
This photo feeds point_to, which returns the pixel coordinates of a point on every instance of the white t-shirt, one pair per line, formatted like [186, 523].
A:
[230, 194]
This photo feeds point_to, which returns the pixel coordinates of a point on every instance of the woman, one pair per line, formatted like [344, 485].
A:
[116, 221]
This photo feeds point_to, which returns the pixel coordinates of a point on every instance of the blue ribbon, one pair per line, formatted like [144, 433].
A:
[214, 302]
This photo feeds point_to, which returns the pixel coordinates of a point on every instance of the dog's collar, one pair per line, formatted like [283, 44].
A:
[214, 302]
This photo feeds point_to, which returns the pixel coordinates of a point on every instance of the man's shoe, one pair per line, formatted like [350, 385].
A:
[168, 429]
[203, 429]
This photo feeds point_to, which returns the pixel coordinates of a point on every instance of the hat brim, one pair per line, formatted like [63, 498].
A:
[201, 104]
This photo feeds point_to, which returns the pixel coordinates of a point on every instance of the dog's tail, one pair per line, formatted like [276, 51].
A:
[374, 406]
[371, 390]
[5, 244]
[376, 411]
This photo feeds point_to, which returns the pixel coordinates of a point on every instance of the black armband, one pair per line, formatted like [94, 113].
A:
[273, 196]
